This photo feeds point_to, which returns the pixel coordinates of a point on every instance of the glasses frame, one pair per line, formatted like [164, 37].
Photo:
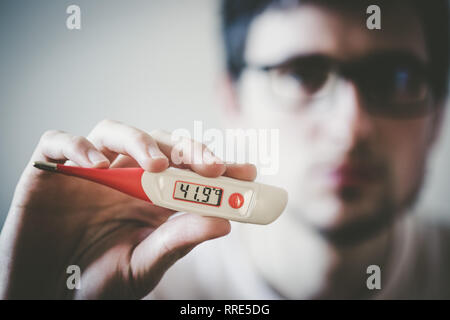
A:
[348, 71]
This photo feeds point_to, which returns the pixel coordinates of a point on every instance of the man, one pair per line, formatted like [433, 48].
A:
[358, 112]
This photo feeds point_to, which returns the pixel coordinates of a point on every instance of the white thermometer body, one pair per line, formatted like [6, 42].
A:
[224, 197]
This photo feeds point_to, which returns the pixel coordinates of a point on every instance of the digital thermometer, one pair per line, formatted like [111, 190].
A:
[184, 190]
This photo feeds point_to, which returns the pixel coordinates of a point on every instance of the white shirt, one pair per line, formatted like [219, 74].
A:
[418, 268]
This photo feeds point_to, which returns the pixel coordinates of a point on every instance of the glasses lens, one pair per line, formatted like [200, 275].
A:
[396, 90]
[301, 81]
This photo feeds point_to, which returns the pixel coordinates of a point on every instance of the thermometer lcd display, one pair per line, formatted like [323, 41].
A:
[198, 193]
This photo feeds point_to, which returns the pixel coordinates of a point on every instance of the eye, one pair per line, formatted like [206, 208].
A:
[396, 84]
[301, 80]
[403, 85]
[398, 91]
[310, 79]
[410, 85]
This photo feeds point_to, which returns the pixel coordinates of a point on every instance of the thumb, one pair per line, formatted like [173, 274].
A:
[169, 242]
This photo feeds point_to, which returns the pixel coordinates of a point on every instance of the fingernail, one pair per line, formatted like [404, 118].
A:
[96, 157]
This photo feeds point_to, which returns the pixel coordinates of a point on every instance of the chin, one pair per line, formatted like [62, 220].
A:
[348, 216]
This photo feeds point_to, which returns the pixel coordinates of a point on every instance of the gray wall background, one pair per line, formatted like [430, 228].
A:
[152, 64]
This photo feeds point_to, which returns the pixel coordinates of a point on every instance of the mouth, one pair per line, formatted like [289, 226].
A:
[354, 175]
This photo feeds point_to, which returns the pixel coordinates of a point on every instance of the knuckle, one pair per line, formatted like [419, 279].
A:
[203, 146]
[49, 134]
[78, 143]
[100, 127]
[157, 132]
[168, 252]
[197, 144]
[47, 138]
[190, 145]
[141, 137]
[105, 123]
[185, 143]
[164, 248]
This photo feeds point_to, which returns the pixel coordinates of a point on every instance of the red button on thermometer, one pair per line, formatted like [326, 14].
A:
[184, 190]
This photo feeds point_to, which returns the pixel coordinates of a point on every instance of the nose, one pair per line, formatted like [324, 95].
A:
[353, 123]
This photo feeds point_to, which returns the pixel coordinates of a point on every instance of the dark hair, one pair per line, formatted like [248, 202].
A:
[237, 16]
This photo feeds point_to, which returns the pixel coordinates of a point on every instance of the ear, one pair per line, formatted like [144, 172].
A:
[227, 90]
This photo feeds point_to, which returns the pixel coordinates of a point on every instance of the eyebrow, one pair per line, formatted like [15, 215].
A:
[297, 59]
[393, 55]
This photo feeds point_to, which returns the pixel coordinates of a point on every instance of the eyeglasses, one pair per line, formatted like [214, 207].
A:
[391, 84]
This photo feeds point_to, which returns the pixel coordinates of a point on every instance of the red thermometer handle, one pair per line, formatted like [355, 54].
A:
[126, 180]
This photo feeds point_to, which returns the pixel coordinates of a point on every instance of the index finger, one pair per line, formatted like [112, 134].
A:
[189, 153]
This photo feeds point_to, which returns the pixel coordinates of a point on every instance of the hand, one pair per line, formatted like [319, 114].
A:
[122, 245]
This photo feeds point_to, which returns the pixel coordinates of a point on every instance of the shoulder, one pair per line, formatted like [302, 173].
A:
[434, 235]
[419, 263]
[432, 241]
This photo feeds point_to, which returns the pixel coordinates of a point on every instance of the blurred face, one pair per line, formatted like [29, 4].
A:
[354, 112]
